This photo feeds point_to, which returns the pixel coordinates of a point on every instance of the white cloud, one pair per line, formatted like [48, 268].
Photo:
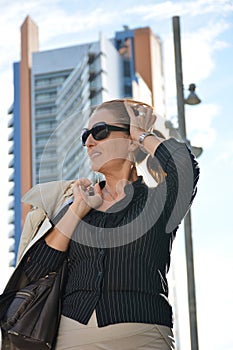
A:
[224, 157]
[167, 9]
[199, 122]
[198, 60]
[199, 48]
[54, 22]
[73, 25]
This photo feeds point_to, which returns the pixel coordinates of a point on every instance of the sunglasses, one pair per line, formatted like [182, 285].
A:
[100, 131]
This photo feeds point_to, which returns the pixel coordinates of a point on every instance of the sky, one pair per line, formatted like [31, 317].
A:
[207, 53]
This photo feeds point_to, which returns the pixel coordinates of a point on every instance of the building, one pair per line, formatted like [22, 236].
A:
[54, 93]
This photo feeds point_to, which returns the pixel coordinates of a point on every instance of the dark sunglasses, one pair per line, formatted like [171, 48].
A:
[100, 131]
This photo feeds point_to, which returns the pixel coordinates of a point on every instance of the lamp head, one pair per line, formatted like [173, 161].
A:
[192, 98]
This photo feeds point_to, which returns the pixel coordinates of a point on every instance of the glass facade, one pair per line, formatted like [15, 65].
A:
[44, 109]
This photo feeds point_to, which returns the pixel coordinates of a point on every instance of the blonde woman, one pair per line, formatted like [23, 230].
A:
[117, 235]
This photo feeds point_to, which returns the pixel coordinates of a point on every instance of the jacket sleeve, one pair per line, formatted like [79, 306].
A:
[42, 259]
[33, 221]
[180, 185]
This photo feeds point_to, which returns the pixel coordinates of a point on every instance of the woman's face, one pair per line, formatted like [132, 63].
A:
[109, 154]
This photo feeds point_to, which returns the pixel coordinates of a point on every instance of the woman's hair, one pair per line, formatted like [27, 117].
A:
[153, 165]
[119, 111]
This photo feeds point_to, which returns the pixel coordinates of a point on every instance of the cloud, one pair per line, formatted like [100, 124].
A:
[167, 9]
[225, 154]
[199, 121]
[199, 48]
[59, 29]
[73, 26]
[53, 28]
[198, 60]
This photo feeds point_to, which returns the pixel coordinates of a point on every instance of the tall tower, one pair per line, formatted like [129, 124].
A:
[20, 135]
[29, 44]
[142, 52]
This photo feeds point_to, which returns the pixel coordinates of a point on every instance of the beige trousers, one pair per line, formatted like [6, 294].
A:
[73, 335]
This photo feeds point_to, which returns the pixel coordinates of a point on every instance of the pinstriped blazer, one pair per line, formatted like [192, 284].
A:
[118, 259]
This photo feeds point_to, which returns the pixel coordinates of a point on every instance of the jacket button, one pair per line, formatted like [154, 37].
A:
[101, 252]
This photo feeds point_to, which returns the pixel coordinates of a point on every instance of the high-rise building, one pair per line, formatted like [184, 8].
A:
[54, 93]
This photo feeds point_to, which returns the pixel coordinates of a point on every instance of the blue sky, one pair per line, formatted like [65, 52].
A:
[207, 50]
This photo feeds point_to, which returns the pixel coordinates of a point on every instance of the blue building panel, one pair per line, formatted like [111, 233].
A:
[120, 39]
[17, 159]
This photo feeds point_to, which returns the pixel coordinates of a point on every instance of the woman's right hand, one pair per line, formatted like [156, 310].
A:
[143, 121]
[83, 201]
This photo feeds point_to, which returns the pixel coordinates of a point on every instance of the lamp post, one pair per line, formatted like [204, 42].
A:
[187, 220]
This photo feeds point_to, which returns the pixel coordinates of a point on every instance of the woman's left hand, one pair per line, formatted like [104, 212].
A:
[83, 200]
[143, 121]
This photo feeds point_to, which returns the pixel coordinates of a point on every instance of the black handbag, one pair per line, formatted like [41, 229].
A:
[32, 318]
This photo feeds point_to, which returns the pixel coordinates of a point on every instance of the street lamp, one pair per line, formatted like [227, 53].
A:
[191, 99]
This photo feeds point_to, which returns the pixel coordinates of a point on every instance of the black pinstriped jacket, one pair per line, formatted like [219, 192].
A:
[118, 259]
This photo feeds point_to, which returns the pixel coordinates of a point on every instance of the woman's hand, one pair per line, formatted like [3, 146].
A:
[84, 201]
[141, 121]
[59, 237]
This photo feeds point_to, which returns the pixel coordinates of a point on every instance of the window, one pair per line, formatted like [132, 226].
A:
[128, 90]
[126, 68]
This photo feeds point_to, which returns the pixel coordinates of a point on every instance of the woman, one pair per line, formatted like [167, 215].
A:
[118, 236]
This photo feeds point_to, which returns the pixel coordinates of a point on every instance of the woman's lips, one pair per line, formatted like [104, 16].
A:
[94, 154]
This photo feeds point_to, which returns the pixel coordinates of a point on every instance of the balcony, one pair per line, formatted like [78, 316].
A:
[11, 218]
[11, 163]
[11, 233]
[11, 191]
[11, 149]
[11, 205]
[11, 177]
[11, 136]
[10, 122]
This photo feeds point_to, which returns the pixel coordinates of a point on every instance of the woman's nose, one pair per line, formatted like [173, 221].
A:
[90, 141]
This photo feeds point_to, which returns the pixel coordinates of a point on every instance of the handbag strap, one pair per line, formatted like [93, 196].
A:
[60, 214]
